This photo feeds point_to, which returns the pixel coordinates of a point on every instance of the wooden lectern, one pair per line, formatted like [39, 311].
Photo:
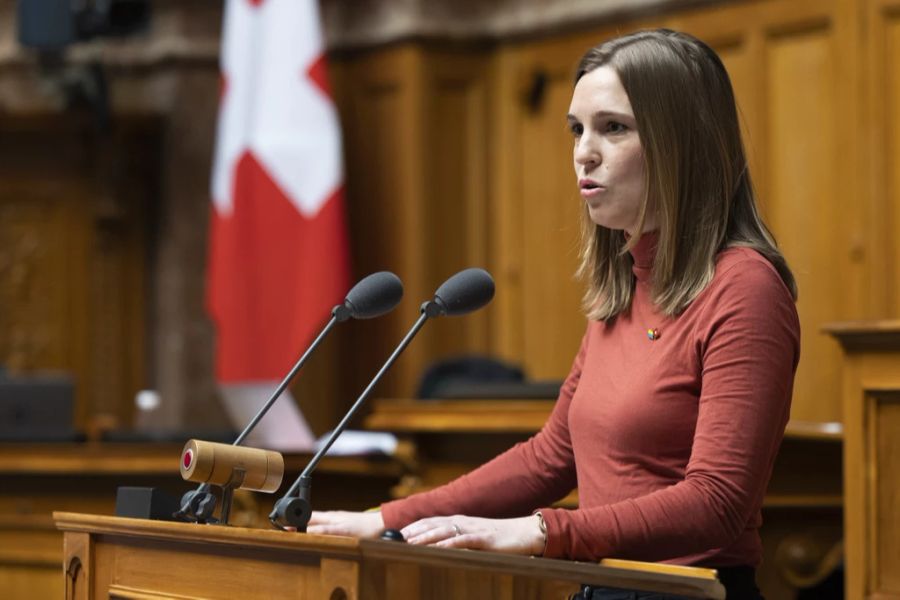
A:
[871, 407]
[114, 557]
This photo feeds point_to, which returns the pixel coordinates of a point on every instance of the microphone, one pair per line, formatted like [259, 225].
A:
[464, 292]
[371, 297]
[233, 466]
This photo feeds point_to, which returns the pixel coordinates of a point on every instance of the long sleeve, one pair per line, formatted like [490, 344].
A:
[745, 334]
[530, 474]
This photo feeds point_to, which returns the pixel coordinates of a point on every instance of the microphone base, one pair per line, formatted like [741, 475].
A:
[292, 512]
[197, 506]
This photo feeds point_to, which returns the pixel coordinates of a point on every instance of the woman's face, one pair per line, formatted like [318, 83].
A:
[609, 159]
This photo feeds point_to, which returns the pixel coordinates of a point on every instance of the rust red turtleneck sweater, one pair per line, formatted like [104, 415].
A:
[669, 441]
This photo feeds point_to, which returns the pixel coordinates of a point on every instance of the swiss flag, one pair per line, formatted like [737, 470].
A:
[278, 247]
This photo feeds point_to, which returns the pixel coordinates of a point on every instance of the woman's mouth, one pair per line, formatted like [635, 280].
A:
[590, 188]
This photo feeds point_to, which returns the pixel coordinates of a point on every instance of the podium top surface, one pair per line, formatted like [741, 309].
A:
[212, 534]
[696, 582]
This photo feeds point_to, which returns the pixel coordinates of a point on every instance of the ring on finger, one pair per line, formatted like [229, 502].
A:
[457, 530]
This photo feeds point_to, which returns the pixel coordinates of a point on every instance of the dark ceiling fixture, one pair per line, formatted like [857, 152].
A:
[50, 27]
[54, 24]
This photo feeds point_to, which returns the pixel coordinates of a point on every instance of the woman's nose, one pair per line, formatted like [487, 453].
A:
[585, 154]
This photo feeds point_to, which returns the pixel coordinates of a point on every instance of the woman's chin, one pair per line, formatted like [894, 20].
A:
[604, 219]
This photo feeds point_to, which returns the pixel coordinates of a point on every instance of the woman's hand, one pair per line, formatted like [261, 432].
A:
[514, 536]
[354, 524]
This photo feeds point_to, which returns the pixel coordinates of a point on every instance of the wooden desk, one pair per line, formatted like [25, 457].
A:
[871, 407]
[111, 557]
[37, 479]
[802, 511]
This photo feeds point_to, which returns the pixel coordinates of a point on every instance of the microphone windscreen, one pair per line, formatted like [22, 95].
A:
[466, 291]
[224, 464]
[374, 295]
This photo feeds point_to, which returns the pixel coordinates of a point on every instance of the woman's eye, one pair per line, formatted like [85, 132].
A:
[615, 127]
[577, 129]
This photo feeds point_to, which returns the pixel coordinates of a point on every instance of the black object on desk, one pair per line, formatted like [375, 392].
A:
[37, 408]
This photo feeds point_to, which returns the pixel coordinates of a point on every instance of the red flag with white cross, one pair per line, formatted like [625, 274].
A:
[279, 255]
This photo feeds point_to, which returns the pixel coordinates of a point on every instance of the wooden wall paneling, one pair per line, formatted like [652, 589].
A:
[858, 278]
[42, 255]
[106, 298]
[882, 69]
[72, 267]
[379, 98]
[454, 192]
[78, 332]
[125, 161]
[807, 211]
[416, 145]
[891, 152]
[505, 187]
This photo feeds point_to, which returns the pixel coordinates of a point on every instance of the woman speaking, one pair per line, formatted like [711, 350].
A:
[672, 414]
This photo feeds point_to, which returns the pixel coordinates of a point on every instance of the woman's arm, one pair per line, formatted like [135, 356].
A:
[533, 473]
[530, 474]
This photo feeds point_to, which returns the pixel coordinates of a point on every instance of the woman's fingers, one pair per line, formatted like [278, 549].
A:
[517, 536]
[469, 541]
[440, 530]
[430, 530]
[338, 529]
[319, 517]
[355, 524]
[433, 535]
[330, 523]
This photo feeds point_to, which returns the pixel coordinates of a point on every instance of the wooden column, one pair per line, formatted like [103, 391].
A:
[871, 406]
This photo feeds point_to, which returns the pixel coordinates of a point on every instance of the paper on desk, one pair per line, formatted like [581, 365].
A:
[352, 442]
[283, 428]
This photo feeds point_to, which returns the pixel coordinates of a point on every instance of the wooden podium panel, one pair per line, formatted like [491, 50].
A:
[114, 557]
[871, 405]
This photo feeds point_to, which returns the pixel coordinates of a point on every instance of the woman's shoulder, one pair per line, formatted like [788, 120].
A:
[739, 262]
[747, 297]
[745, 274]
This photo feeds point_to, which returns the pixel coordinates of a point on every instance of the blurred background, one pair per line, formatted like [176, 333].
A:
[455, 154]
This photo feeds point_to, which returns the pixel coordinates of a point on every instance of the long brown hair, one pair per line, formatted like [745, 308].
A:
[696, 169]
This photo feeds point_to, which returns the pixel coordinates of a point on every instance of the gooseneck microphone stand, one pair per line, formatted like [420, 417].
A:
[373, 296]
[199, 504]
[464, 292]
[295, 508]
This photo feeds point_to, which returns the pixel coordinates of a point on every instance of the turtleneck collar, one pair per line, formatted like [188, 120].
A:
[644, 253]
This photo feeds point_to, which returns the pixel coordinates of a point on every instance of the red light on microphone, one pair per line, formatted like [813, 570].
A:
[188, 459]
